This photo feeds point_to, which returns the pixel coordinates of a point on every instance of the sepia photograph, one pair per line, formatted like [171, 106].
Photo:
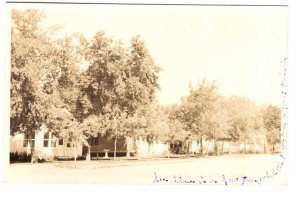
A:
[146, 94]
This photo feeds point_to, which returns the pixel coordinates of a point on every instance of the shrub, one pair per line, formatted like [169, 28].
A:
[22, 157]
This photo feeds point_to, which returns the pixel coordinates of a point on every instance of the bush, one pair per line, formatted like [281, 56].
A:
[17, 157]
[81, 158]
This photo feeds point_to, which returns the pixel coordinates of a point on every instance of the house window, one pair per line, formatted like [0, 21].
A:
[68, 145]
[26, 140]
[46, 139]
[61, 142]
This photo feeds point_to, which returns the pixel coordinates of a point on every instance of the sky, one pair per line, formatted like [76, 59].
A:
[240, 47]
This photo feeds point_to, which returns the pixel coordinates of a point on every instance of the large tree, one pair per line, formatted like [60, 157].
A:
[26, 57]
[176, 126]
[34, 71]
[217, 121]
[196, 108]
[272, 124]
[44, 76]
[243, 120]
[117, 82]
[154, 124]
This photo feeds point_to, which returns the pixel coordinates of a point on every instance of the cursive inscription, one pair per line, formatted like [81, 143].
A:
[241, 180]
[284, 108]
[159, 179]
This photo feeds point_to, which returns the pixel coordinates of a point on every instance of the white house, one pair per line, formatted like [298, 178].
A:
[45, 144]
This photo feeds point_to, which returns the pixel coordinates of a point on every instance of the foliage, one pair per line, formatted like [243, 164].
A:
[48, 87]
[242, 115]
[272, 123]
[40, 70]
[204, 113]
[44, 75]
[176, 126]
[217, 121]
[16, 157]
[117, 83]
[28, 49]
[197, 107]
[154, 123]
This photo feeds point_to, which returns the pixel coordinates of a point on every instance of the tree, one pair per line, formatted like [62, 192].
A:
[243, 114]
[44, 77]
[272, 124]
[33, 67]
[119, 124]
[217, 122]
[117, 82]
[196, 108]
[155, 125]
[24, 110]
[177, 131]
[68, 128]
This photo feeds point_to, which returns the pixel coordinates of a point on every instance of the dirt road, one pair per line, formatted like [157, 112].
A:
[223, 170]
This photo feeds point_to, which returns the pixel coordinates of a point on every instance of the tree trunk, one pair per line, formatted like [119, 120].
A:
[149, 146]
[187, 148]
[215, 151]
[168, 150]
[223, 148]
[217, 145]
[128, 147]
[75, 153]
[207, 149]
[201, 146]
[148, 154]
[88, 155]
[32, 152]
[115, 150]
[244, 147]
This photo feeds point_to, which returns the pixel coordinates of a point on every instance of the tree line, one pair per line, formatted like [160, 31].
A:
[206, 114]
[80, 88]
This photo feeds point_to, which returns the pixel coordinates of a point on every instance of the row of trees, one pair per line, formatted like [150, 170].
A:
[206, 114]
[80, 88]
